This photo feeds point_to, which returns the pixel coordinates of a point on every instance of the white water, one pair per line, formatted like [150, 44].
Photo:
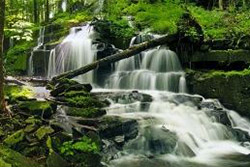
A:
[155, 69]
[64, 5]
[201, 140]
[74, 52]
[40, 43]
[100, 6]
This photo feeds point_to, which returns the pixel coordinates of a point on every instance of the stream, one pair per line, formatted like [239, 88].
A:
[175, 129]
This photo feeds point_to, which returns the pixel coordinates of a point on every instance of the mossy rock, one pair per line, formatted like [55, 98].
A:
[11, 158]
[33, 120]
[216, 84]
[15, 138]
[18, 93]
[38, 108]
[85, 112]
[55, 160]
[84, 102]
[44, 131]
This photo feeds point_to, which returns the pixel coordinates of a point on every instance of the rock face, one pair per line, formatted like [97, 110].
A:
[231, 88]
[220, 59]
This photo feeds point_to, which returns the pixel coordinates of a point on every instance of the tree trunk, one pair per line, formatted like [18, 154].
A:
[244, 6]
[2, 17]
[132, 51]
[46, 10]
[221, 4]
[35, 9]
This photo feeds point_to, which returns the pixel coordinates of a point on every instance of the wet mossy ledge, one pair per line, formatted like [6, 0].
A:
[230, 87]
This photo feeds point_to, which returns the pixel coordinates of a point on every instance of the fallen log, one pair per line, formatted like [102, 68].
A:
[132, 51]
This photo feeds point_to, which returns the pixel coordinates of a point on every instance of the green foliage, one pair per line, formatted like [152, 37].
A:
[19, 29]
[17, 56]
[69, 19]
[218, 24]
[159, 17]
[84, 145]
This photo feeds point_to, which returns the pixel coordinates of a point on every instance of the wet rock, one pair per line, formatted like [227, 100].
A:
[154, 140]
[124, 97]
[84, 112]
[111, 127]
[186, 99]
[37, 108]
[219, 84]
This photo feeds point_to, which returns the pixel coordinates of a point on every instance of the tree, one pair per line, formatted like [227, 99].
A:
[2, 19]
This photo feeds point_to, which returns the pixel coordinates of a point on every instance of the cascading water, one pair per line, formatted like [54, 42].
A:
[174, 129]
[175, 133]
[64, 5]
[75, 51]
[155, 69]
[40, 43]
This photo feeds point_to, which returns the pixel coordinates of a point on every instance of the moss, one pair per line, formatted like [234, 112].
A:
[85, 112]
[75, 93]
[33, 120]
[71, 19]
[4, 164]
[84, 102]
[16, 93]
[231, 88]
[15, 159]
[30, 128]
[43, 131]
[226, 74]
[16, 58]
[15, 138]
[37, 108]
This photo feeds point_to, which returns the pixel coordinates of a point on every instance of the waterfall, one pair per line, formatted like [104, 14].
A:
[100, 6]
[64, 5]
[75, 51]
[154, 69]
[175, 133]
[40, 43]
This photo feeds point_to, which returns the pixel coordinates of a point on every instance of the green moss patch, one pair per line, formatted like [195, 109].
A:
[16, 93]
[37, 108]
[11, 158]
[15, 138]
[43, 131]
[85, 112]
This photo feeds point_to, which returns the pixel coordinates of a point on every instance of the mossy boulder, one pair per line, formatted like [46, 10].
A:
[11, 158]
[82, 152]
[231, 88]
[89, 112]
[43, 132]
[15, 138]
[84, 102]
[37, 108]
[18, 93]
